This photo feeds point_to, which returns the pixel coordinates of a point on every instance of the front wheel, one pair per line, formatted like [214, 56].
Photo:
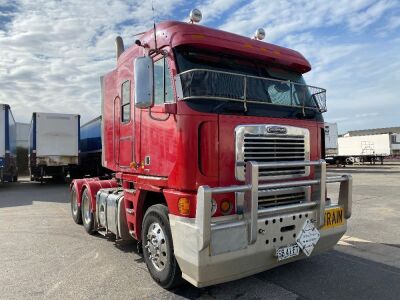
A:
[87, 214]
[158, 250]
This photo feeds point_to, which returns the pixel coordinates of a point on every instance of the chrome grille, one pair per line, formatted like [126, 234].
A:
[279, 197]
[255, 143]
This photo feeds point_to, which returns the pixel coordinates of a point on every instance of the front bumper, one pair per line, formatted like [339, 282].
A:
[211, 252]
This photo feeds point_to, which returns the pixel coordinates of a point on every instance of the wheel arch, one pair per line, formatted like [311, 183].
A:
[93, 186]
[146, 199]
[77, 184]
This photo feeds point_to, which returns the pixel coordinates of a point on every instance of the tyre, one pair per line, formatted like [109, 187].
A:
[158, 250]
[87, 214]
[75, 209]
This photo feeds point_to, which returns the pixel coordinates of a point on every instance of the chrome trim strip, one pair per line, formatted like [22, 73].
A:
[250, 208]
[286, 209]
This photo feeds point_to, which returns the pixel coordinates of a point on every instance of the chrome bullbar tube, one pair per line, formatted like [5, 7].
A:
[252, 188]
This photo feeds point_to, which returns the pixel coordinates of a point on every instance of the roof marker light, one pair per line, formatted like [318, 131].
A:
[259, 34]
[195, 16]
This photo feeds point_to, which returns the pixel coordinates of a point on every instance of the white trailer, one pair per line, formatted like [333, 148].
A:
[54, 145]
[8, 164]
[361, 148]
[377, 144]
[331, 139]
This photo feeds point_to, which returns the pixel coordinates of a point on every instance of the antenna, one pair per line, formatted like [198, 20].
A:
[154, 25]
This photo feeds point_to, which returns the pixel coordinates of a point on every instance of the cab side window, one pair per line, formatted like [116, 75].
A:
[126, 101]
[162, 83]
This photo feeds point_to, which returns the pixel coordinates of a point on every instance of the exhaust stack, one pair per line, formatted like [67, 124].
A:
[119, 45]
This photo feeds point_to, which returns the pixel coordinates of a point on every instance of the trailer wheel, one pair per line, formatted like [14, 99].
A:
[87, 214]
[158, 250]
[75, 209]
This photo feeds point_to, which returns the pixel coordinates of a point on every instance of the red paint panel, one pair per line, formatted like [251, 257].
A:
[110, 127]
[208, 148]
[125, 153]
[185, 174]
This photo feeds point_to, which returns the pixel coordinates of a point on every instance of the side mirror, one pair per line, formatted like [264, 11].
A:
[144, 82]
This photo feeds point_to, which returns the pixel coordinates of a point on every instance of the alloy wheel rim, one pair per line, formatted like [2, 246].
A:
[74, 203]
[156, 246]
[86, 208]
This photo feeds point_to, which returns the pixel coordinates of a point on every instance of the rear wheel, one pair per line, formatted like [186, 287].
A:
[158, 250]
[75, 209]
[87, 214]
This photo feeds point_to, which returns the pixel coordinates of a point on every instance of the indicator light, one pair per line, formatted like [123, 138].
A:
[184, 206]
[226, 207]
[134, 165]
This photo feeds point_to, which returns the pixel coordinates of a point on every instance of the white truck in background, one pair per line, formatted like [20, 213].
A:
[348, 149]
[364, 145]
[54, 145]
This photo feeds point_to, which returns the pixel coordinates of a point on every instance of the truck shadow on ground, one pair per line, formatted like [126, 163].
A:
[332, 275]
[24, 192]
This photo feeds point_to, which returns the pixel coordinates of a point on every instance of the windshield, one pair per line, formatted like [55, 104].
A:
[219, 76]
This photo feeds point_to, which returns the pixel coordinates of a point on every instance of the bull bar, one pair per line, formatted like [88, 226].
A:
[252, 187]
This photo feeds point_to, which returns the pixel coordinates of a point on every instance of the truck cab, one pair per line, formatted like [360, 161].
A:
[216, 142]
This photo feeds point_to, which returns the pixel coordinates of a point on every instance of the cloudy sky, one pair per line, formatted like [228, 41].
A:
[53, 52]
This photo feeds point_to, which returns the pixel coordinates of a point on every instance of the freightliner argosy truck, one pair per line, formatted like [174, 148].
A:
[217, 145]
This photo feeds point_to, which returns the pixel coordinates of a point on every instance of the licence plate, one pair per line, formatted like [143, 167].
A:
[333, 217]
[287, 252]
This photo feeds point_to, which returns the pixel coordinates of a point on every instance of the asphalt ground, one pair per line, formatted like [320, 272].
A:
[45, 255]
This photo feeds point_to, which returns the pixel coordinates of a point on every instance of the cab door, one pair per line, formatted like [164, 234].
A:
[158, 128]
[126, 127]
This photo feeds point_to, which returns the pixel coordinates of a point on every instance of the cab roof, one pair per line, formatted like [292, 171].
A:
[174, 33]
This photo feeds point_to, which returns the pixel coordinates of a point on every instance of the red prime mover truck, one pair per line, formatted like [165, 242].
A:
[217, 145]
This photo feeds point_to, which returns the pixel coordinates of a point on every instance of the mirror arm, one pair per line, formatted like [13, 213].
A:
[158, 119]
[155, 52]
